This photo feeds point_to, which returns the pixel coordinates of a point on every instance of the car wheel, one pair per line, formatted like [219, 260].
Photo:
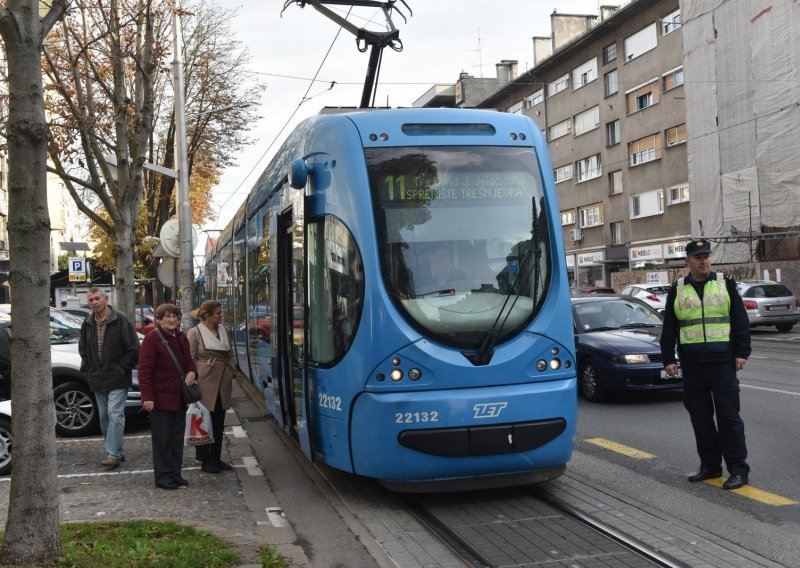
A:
[76, 410]
[589, 386]
[5, 445]
[785, 327]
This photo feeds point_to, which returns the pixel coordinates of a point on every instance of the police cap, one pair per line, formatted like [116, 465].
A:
[699, 246]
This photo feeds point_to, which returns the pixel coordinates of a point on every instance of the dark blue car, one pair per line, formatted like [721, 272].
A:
[616, 340]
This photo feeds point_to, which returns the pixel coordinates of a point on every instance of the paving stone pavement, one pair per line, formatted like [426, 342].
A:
[217, 503]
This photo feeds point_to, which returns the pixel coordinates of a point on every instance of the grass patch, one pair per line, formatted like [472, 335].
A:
[142, 543]
[270, 558]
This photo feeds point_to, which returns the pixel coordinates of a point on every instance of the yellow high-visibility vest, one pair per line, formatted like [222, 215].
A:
[705, 321]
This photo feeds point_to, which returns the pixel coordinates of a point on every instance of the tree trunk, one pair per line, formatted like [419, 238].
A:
[32, 533]
[123, 252]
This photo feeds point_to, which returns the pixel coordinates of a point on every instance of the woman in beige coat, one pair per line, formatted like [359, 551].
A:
[213, 354]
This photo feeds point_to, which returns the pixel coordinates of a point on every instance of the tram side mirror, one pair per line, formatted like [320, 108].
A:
[298, 173]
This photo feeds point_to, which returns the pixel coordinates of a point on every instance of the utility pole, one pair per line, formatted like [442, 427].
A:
[186, 272]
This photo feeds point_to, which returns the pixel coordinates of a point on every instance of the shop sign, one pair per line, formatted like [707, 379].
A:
[591, 258]
[675, 249]
[645, 253]
[570, 261]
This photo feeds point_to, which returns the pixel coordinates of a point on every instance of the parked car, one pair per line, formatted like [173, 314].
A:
[654, 295]
[144, 323]
[75, 405]
[617, 346]
[769, 303]
[77, 312]
[5, 437]
[583, 290]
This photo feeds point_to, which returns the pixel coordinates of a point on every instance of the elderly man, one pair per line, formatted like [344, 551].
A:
[109, 349]
[706, 317]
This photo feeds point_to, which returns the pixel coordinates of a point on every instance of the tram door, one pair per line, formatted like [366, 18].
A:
[291, 322]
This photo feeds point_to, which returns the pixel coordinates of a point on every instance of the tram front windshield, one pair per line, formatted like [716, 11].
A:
[463, 239]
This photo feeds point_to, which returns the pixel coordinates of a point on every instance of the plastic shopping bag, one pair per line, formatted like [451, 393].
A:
[198, 430]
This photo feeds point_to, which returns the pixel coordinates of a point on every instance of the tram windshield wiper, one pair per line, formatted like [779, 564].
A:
[484, 353]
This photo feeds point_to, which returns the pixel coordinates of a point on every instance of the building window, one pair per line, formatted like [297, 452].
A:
[558, 85]
[587, 120]
[584, 74]
[561, 129]
[617, 237]
[568, 217]
[611, 82]
[534, 99]
[641, 42]
[610, 53]
[678, 194]
[672, 79]
[516, 108]
[612, 133]
[676, 135]
[590, 216]
[671, 22]
[643, 96]
[647, 204]
[645, 150]
[563, 173]
[615, 182]
[589, 168]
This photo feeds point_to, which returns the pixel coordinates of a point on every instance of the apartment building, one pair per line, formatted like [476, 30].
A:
[610, 101]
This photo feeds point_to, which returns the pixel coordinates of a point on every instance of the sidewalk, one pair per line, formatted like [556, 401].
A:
[237, 506]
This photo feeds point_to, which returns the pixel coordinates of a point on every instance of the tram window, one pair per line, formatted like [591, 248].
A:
[335, 289]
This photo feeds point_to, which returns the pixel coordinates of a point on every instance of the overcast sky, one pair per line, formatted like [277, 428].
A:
[441, 39]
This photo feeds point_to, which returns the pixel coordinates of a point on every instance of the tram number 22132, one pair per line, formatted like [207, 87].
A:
[414, 417]
[330, 402]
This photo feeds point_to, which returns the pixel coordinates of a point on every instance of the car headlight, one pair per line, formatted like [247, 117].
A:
[631, 359]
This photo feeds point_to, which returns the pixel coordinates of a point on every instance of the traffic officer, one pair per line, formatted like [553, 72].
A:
[706, 317]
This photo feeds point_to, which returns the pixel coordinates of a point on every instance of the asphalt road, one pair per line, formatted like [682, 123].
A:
[657, 427]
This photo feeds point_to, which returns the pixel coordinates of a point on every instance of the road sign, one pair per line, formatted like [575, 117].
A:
[77, 269]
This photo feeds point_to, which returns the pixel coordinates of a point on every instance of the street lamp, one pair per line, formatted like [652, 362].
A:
[186, 272]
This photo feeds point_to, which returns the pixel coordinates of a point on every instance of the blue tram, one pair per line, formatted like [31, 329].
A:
[397, 288]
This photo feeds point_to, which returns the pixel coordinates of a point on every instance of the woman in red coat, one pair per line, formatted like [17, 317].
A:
[160, 383]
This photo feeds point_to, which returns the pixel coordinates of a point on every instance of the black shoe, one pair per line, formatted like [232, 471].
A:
[223, 466]
[210, 467]
[181, 482]
[705, 473]
[735, 482]
[167, 485]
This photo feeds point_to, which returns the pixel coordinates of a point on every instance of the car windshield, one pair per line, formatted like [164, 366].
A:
[459, 229]
[614, 313]
[64, 327]
[768, 291]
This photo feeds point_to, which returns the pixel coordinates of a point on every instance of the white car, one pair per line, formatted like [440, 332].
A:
[5, 437]
[655, 295]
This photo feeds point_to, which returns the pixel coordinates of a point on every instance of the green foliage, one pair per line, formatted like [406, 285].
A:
[271, 558]
[142, 543]
[63, 261]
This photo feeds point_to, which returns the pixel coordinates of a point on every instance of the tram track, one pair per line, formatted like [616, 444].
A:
[527, 527]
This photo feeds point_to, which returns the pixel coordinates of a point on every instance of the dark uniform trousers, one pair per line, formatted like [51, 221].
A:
[167, 429]
[710, 387]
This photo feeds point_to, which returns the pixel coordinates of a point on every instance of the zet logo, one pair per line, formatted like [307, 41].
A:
[489, 409]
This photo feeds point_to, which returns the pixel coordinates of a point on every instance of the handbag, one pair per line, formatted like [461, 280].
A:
[189, 393]
[198, 430]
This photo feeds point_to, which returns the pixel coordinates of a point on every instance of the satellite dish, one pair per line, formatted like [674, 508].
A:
[170, 238]
[167, 273]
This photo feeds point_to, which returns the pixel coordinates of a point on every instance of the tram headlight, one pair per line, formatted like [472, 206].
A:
[396, 375]
[414, 374]
[541, 365]
[555, 364]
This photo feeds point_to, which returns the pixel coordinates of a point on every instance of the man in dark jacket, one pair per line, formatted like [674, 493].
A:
[705, 315]
[109, 349]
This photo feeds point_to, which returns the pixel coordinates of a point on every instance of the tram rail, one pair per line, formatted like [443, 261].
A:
[435, 513]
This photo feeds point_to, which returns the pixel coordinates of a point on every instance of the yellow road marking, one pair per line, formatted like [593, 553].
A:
[620, 448]
[755, 494]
